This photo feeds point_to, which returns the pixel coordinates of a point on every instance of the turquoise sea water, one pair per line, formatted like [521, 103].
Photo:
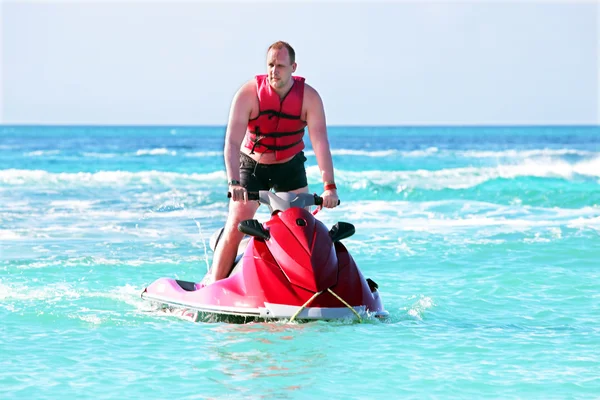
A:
[485, 243]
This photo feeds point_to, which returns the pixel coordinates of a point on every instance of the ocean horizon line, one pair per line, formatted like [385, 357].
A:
[175, 126]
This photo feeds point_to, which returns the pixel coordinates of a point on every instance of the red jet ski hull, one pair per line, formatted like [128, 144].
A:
[293, 267]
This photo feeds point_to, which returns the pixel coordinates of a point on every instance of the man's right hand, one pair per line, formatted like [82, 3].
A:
[238, 193]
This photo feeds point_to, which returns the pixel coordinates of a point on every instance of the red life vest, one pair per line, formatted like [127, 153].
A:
[279, 126]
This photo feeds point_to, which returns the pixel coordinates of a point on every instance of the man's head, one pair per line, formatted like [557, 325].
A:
[281, 63]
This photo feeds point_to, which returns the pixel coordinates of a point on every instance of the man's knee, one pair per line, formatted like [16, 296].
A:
[238, 213]
[300, 190]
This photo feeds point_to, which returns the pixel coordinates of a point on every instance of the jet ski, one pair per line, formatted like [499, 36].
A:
[290, 267]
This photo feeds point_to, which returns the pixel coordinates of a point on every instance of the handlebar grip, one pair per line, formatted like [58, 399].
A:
[251, 195]
[319, 200]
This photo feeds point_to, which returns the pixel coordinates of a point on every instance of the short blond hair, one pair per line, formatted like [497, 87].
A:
[280, 44]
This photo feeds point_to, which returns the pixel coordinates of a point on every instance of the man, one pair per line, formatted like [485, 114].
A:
[264, 143]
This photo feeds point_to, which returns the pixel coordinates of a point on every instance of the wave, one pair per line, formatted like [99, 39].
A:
[447, 178]
[99, 155]
[139, 153]
[432, 151]
[108, 178]
[166, 152]
[156, 152]
[73, 204]
[447, 153]
[94, 229]
[215, 153]
[54, 261]
[379, 153]
[41, 153]
[48, 295]
[544, 229]
[428, 152]
[521, 154]
[482, 218]
[464, 177]
[7, 234]
[362, 209]
[25, 293]
[369, 230]
[459, 215]
[106, 214]
[417, 153]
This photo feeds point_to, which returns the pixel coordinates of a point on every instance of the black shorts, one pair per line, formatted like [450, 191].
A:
[285, 177]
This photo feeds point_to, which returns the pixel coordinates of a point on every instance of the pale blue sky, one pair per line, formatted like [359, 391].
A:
[390, 63]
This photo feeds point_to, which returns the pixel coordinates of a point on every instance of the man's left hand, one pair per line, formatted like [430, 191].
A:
[330, 198]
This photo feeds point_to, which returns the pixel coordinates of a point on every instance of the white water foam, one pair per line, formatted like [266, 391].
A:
[379, 216]
[7, 234]
[156, 152]
[434, 151]
[56, 292]
[73, 204]
[41, 153]
[109, 178]
[451, 216]
[130, 215]
[53, 293]
[91, 261]
[418, 309]
[19, 205]
[100, 155]
[451, 178]
[428, 152]
[93, 319]
[462, 178]
[521, 154]
[379, 153]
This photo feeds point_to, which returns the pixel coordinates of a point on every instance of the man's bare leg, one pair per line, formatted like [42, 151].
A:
[227, 246]
[302, 190]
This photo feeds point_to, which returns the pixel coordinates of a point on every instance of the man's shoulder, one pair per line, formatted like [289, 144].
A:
[250, 83]
[248, 88]
[310, 93]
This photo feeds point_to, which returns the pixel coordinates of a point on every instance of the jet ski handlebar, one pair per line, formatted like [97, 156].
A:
[284, 200]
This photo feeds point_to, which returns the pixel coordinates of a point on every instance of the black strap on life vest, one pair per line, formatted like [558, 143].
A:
[275, 113]
[273, 147]
[259, 137]
[277, 134]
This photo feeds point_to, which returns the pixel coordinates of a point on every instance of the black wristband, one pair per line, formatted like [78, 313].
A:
[233, 182]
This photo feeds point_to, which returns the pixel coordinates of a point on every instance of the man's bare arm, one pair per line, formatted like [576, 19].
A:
[317, 129]
[239, 114]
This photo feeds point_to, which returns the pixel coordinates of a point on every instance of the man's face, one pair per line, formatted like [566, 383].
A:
[279, 68]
